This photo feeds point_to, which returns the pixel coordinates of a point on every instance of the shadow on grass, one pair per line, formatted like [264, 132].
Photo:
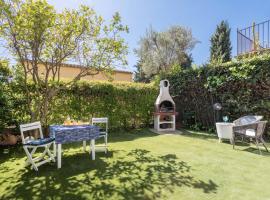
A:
[256, 151]
[11, 152]
[16, 151]
[136, 174]
[242, 144]
[131, 135]
[199, 135]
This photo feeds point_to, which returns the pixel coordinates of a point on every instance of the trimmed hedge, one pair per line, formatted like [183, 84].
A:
[5, 104]
[241, 86]
[128, 105]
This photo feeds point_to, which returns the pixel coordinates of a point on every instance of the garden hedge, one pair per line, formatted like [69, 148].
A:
[241, 86]
[128, 105]
[5, 104]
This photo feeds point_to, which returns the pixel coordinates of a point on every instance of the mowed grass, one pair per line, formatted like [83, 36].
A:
[143, 165]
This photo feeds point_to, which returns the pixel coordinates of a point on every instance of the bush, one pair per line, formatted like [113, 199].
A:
[128, 105]
[241, 86]
[5, 103]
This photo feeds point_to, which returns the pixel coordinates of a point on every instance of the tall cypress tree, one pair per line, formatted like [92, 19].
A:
[221, 48]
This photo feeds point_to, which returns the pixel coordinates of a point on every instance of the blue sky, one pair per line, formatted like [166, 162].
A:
[201, 16]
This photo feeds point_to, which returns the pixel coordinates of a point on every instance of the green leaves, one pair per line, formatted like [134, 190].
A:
[36, 34]
[127, 105]
[4, 68]
[158, 52]
[220, 49]
[6, 102]
[241, 86]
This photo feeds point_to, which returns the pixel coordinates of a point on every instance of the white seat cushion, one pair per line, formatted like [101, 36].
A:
[250, 132]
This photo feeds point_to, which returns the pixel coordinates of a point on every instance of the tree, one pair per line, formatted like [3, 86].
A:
[187, 62]
[5, 103]
[139, 74]
[159, 51]
[221, 48]
[35, 33]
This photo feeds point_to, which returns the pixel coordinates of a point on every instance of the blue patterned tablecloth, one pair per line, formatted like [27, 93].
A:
[67, 134]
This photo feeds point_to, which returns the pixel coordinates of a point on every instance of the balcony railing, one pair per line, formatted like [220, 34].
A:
[253, 38]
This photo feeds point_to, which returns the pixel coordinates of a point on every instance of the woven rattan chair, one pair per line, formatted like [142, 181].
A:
[249, 119]
[244, 123]
[253, 132]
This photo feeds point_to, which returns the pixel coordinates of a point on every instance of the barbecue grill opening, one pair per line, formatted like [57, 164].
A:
[165, 83]
[166, 106]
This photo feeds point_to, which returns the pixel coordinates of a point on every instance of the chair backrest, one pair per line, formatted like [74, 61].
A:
[260, 128]
[102, 120]
[249, 119]
[30, 127]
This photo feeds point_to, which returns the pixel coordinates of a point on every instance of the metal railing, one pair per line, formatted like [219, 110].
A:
[253, 38]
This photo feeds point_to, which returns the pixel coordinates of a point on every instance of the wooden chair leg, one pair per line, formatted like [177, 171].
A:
[51, 155]
[30, 158]
[28, 162]
[38, 161]
[106, 143]
[93, 151]
[59, 156]
[54, 149]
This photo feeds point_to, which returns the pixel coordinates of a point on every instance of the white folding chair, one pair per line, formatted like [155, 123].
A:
[103, 133]
[30, 145]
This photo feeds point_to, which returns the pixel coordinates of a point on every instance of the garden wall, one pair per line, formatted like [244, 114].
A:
[241, 86]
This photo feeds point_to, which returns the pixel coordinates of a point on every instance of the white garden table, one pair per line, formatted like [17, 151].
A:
[224, 130]
[73, 133]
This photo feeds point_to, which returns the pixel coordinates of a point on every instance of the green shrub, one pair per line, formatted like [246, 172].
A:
[127, 105]
[5, 103]
[241, 86]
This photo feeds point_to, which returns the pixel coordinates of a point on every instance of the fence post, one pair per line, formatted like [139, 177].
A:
[237, 42]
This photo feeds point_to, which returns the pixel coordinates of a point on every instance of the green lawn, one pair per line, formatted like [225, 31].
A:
[143, 165]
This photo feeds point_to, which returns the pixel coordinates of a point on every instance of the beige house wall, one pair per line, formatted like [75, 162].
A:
[69, 72]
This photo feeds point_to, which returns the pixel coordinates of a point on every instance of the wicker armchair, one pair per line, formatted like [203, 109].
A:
[252, 131]
[249, 119]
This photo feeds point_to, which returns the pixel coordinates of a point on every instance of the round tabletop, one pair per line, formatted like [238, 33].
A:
[225, 123]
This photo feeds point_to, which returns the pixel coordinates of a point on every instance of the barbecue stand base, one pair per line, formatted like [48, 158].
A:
[164, 121]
